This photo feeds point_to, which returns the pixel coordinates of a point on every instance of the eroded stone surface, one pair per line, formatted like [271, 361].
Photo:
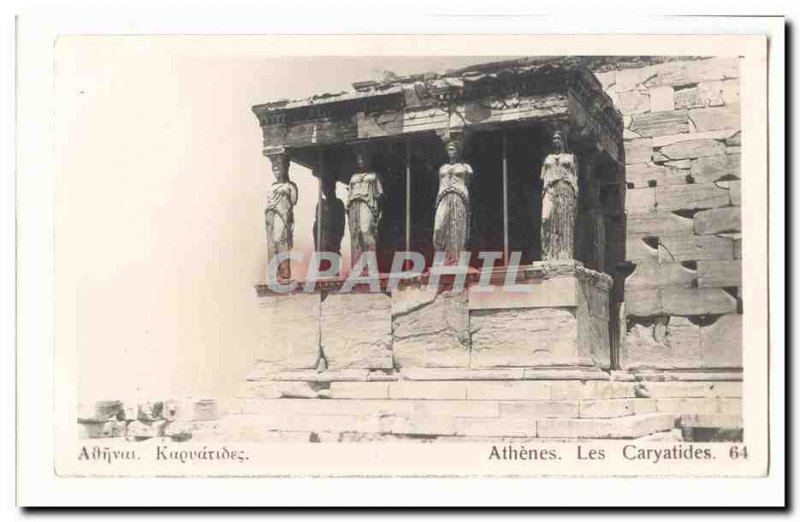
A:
[639, 151]
[640, 200]
[592, 320]
[660, 123]
[652, 276]
[714, 118]
[357, 331]
[694, 248]
[718, 220]
[721, 342]
[430, 329]
[643, 303]
[643, 175]
[697, 301]
[719, 274]
[713, 168]
[657, 224]
[695, 196]
[693, 149]
[662, 343]
[687, 72]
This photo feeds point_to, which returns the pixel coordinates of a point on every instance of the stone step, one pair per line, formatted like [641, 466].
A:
[258, 427]
[541, 409]
[443, 390]
[492, 390]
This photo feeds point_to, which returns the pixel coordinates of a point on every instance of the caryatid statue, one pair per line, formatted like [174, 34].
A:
[279, 215]
[559, 201]
[452, 218]
[363, 206]
[330, 210]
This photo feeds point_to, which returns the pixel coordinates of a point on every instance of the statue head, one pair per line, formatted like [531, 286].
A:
[453, 149]
[362, 159]
[280, 166]
[559, 141]
[329, 187]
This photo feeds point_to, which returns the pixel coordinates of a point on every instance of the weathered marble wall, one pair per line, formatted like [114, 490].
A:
[682, 146]
[561, 322]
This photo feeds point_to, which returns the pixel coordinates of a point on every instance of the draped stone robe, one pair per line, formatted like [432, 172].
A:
[451, 222]
[559, 206]
[363, 212]
[279, 218]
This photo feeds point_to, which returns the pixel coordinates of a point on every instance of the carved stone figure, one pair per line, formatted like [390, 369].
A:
[559, 201]
[452, 218]
[363, 207]
[279, 214]
[330, 210]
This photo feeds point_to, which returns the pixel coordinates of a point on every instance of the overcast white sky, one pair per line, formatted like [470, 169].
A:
[159, 203]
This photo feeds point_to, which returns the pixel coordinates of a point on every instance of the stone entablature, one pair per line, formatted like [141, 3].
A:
[483, 97]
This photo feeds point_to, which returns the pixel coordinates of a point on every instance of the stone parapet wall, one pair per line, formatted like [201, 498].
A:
[683, 203]
[563, 320]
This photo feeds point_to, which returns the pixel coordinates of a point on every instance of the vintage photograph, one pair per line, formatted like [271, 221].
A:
[344, 256]
[590, 206]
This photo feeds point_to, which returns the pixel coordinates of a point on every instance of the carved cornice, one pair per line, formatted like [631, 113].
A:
[548, 269]
[594, 278]
[497, 87]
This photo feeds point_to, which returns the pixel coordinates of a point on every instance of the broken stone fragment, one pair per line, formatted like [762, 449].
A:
[115, 428]
[297, 390]
[99, 411]
[150, 411]
[170, 410]
[178, 431]
[140, 430]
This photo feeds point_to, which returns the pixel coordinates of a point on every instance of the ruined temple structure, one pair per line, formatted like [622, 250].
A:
[616, 179]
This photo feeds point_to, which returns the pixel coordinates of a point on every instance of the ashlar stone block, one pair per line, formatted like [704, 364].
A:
[697, 301]
[718, 220]
[692, 197]
[638, 201]
[633, 102]
[643, 303]
[639, 251]
[638, 151]
[664, 343]
[693, 248]
[356, 331]
[721, 342]
[430, 328]
[660, 123]
[644, 175]
[687, 72]
[662, 99]
[713, 168]
[653, 276]
[719, 274]
[658, 224]
[714, 118]
[522, 337]
[693, 149]
[289, 331]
